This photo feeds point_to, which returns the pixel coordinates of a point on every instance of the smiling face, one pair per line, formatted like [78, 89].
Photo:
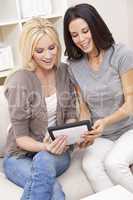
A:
[45, 53]
[81, 35]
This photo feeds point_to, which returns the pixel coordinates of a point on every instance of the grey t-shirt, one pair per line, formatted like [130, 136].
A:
[102, 90]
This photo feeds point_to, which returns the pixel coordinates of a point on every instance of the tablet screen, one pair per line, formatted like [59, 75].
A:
[72, 130]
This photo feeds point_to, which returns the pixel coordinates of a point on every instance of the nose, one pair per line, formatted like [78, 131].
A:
[81, 38]
[47, 54]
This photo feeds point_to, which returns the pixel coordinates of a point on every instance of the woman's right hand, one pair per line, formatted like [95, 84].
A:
[57, 146]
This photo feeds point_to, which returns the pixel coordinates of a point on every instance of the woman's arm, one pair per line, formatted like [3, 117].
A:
[70, 120]
[127, 108]
[124, 111]
[29, 144]
[83, 109]
[58, 146]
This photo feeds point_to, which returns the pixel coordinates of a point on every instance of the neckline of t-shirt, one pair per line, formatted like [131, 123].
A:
[103, 65]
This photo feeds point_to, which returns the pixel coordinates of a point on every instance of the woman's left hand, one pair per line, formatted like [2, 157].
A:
[98, 127]
[90, 136]
[87, 140]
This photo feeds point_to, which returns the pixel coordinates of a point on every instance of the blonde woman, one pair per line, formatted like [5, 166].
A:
[39, 95]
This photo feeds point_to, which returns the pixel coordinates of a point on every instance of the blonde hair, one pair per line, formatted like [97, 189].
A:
[33, 31]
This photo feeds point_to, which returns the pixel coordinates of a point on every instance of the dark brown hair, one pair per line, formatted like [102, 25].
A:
[101, 35]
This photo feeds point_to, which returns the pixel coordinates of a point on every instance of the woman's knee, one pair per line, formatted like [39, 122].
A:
[113, 165]
[42, 155]
[91, 165]
[121, 156]
[51, 163]
[43, 160]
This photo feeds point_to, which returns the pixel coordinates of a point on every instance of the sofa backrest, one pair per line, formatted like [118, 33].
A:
[4, 120]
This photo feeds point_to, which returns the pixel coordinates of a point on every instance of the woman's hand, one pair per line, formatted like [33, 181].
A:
[86, 140]
[89, 137]
[58, 146]
[98, 127]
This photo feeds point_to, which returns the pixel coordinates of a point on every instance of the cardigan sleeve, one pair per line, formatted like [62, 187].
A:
[71, 109]
[69, 96]
[17, 95]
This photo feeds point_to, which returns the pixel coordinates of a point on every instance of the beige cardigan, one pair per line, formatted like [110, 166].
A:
[27, 106]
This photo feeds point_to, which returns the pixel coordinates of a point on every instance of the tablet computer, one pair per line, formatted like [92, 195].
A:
[72, 130]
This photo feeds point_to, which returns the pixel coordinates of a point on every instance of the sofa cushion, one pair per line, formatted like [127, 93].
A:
[74, 182]
[4, 119]
[1, 165]
[8, 190]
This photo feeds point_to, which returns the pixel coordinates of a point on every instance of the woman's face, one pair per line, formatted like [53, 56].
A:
[81, 35]
[45, 53]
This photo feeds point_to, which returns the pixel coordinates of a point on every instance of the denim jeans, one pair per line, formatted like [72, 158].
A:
[37, 174]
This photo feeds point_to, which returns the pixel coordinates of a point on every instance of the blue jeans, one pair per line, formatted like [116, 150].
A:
[37, 174]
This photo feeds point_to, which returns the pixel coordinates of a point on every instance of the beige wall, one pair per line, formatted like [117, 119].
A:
[130, 21]
[117, 15]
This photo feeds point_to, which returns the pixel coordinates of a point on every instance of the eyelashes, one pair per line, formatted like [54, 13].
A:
[41, 50]
[74, 35]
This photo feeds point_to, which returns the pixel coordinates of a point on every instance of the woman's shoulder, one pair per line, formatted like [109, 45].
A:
[63, 66]
[121, 57]
[19, 77]
[78, 62]
[121, 50]
[18, 81]
[62, 71]
[67, 67]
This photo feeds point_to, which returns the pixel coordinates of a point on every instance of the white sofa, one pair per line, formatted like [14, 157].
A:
[74, 182]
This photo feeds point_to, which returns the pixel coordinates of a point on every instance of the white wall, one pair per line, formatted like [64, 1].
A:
[130, 21]
[118, 16]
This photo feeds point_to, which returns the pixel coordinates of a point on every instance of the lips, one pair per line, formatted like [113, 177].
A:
[47, 61]
[85, 45]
